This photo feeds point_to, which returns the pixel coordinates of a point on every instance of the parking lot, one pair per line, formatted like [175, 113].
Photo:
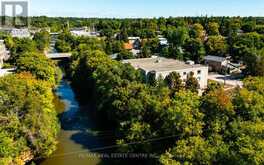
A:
[226, 79]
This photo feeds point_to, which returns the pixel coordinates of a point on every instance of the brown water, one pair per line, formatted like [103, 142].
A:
[78, 136]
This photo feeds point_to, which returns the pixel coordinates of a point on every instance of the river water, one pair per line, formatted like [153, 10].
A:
[79, 135]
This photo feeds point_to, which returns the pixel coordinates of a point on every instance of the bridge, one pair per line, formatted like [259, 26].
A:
[55, 56]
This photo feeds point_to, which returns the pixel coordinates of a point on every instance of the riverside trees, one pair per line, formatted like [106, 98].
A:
[28, 119]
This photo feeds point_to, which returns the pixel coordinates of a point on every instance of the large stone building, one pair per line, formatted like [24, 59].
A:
[162, 67]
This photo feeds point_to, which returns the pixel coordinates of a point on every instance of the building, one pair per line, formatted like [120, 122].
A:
[20, 33]
[133, 45]
[4, 55]
[84, 32]
[162, 67]
[216, 63]
[135, 41]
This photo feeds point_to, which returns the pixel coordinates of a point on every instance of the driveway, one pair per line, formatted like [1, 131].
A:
[227, 79]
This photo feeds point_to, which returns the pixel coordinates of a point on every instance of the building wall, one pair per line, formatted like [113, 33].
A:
[216, 66]
[200, 73]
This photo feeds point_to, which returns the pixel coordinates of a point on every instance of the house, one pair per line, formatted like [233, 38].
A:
[4, 54]
[20, 33]
[135, 41]
[216, 63]
[133, 45]
[162, 67]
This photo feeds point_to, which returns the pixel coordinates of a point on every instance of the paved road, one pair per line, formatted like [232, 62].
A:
[228, 79]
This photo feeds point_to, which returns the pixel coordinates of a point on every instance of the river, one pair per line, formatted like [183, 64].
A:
[79, 134]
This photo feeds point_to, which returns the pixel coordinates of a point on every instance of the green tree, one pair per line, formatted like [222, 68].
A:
[216, 45]
[195, 50]
[25, 104]
[192, 83]
[125, 54]
[198, 32]
[39, 66]
[174, 82]
[213, 29]
[146, 52]
[42, 40]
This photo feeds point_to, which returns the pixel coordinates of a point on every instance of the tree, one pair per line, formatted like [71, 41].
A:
[151, 78]
[195, 50]
[178, 37]
[174, 82]
[192, 83]
[25, 104]
[42, 40]
[39, 66]
[216, 45]
[213, 29]
[249, 26]
[198, 31]
[125, 54]
[62, 46]
[254, 61]
[146, 52]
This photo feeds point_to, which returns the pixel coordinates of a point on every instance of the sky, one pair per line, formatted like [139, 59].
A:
[145, 8]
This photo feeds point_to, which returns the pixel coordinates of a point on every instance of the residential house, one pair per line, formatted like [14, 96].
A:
[133, 45]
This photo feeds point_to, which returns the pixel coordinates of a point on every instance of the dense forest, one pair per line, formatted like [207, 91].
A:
[162, 117]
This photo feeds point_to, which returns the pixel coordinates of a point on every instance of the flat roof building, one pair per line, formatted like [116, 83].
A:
[164, 66]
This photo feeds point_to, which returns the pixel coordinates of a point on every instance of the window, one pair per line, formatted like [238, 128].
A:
[199, 72]
[199, 78]
[184, 73]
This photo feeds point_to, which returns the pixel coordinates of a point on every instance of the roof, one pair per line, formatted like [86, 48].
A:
[215, 58]
[128, 46]
[160, 64]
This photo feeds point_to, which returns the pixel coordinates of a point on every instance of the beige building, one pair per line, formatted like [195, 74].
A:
[164, 66]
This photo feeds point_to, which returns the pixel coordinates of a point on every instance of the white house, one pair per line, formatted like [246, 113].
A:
[162, 67]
